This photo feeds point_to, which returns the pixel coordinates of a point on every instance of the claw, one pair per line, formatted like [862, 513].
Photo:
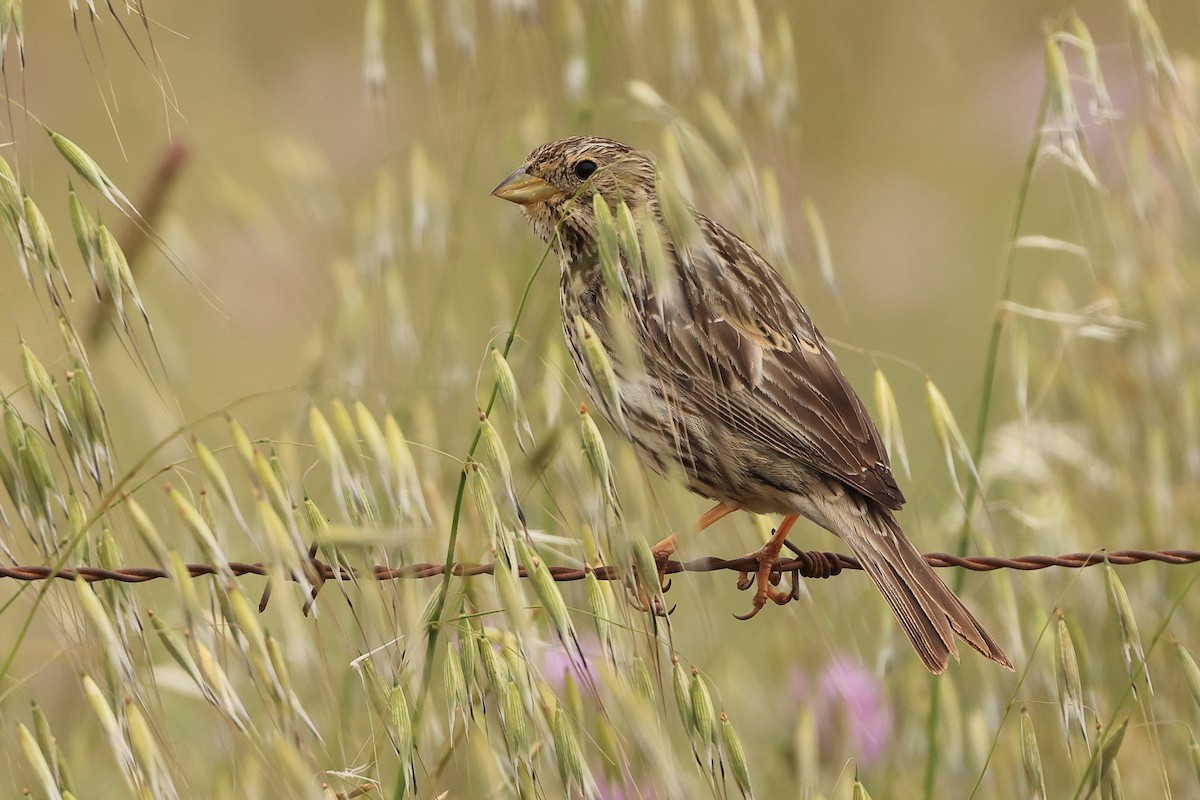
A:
[639, 598]
[662, 553]
[644, 602]
[766, 576]
[764, 593]
[749, 614]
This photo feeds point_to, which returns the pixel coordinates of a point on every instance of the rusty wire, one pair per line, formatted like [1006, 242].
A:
[804, 564]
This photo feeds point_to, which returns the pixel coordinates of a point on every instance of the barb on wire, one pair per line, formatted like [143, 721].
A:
[803, 564]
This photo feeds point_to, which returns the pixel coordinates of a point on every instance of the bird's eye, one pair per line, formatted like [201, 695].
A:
[584, 169]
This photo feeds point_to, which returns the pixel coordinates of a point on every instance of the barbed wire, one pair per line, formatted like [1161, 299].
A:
[804, 563]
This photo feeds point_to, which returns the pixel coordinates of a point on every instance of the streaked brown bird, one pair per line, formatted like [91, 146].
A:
[719, 370]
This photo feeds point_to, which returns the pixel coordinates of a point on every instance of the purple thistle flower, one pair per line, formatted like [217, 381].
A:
[850, 706]
[557, 663]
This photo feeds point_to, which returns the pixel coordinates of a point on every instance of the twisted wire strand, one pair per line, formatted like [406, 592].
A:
[803, 563]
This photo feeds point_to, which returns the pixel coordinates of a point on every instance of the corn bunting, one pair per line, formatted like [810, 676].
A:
[720, 371]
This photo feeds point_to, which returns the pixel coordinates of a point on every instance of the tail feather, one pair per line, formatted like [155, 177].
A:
[930, 613]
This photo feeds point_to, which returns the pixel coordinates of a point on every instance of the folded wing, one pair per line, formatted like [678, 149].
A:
[740, 348]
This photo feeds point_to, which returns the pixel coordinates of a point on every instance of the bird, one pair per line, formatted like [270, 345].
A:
[718, 373]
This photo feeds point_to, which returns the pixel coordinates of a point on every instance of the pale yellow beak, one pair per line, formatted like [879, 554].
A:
[522, 188]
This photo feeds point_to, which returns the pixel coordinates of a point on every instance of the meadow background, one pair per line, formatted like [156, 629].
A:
[991, 211]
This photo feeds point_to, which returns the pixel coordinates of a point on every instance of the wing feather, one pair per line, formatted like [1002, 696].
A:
[745, 352]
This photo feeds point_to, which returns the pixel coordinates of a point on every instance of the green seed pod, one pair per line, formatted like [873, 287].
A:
[41, 729]
[41, 240]
[643, 683]
[41, 387]
[495, 669]
[468, 651]
[37, 760]
[200, 530]
[546, 589]
[731, 743]
[485, 504]
[372, 434]
[1031, 757]
[664, 282]
[76, 516]
[115, 648]
[245, 620]
[704, 717]
[597, 455]
[109, 552]
[599, 368]
[1191, 672]
[889, 420]
[510, 393]
[343, 428]
[181, 579]
[96, 422]
[112, 257]
[498, 455]
[514, 722]
[1131, 637]
[216, 476]
[949, 435]
[412, 499]
[609, 248]
[281, 545]
[177, 649]
[87, 167]
[400, 722]
[567, 752]
[681, 685]
[682, 229]
[85, 236]
[598, 606]
[242, 445]
[146, 530]
[1101, 772]
[627, 232]
[1070, 685]
[10, 188]
[146, 752]
[455, 687]
[108, 721]
[646, 566]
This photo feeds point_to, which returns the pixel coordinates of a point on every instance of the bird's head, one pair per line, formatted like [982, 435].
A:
[558, 179]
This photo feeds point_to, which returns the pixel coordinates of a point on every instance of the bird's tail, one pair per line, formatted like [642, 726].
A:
[930, 613]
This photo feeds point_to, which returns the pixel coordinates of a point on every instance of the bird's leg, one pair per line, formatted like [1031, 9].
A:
[663, 551]
[666, 548]
[766, 556]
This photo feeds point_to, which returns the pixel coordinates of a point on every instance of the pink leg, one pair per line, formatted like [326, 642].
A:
[666, 548]
[766, 561]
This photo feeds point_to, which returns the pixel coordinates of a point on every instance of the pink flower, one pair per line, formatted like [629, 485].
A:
[557, 663]
[850, 708]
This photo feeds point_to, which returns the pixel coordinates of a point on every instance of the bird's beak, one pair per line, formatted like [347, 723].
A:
[522, 188]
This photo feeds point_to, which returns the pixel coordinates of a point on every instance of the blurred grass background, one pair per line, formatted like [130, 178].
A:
[333, 238]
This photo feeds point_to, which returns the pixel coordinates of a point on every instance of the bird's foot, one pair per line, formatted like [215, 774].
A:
[646, 602]
[767, 577]
[639, 596]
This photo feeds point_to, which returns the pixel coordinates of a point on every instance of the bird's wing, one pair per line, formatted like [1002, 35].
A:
[746, 352]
